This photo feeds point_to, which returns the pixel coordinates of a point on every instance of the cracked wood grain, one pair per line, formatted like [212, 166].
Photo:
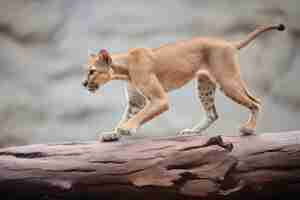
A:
[189, 167]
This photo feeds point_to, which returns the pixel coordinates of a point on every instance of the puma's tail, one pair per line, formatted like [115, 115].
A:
[241, 44]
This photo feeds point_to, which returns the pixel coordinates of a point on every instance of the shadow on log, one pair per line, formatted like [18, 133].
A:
[265, 167]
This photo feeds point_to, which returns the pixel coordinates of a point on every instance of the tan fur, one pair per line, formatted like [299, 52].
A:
[151, 73]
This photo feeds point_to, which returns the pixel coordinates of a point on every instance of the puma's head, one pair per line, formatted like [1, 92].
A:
[99, 71]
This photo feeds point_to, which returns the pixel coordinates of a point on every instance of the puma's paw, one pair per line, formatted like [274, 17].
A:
[187, 131]
[110, 136]
[245, 131]
[125, 132]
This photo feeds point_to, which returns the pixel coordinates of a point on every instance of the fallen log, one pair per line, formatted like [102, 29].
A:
[265, 166]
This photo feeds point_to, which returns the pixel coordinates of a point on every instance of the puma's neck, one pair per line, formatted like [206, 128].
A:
[120, 66]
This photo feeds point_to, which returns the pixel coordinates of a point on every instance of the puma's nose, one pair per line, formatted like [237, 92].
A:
[85, 83]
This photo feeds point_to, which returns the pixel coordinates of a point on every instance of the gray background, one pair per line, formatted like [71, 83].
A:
[44, 43]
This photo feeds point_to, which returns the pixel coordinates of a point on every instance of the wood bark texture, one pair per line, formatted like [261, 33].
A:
[265, 166]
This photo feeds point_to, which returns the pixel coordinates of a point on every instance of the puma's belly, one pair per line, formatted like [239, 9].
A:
[175, 67]
[174, 77]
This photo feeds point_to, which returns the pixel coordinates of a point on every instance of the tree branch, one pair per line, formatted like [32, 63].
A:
[186, 167]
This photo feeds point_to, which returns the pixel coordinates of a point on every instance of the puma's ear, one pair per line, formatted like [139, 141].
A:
[105, 55]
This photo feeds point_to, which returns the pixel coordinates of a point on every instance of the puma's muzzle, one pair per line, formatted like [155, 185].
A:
[92, 87]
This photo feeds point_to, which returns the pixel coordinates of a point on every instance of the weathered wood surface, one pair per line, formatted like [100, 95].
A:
[266, 166]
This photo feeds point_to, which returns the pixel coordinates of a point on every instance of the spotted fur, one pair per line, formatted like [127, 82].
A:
[206, 89]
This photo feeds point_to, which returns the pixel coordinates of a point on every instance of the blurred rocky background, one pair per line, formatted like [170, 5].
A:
[44, 44]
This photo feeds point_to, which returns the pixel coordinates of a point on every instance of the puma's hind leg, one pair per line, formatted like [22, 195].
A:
[206, 88]
[227, 73]
[236, 89]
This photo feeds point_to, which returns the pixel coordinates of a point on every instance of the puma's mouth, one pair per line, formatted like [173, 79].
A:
[92, 88]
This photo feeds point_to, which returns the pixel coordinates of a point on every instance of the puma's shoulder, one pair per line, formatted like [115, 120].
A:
[140, 55]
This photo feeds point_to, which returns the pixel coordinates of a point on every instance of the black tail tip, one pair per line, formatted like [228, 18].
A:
[281, 27]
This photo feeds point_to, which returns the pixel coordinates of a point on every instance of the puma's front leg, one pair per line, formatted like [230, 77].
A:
[135, 102]
[151, 110]
[156, 104]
